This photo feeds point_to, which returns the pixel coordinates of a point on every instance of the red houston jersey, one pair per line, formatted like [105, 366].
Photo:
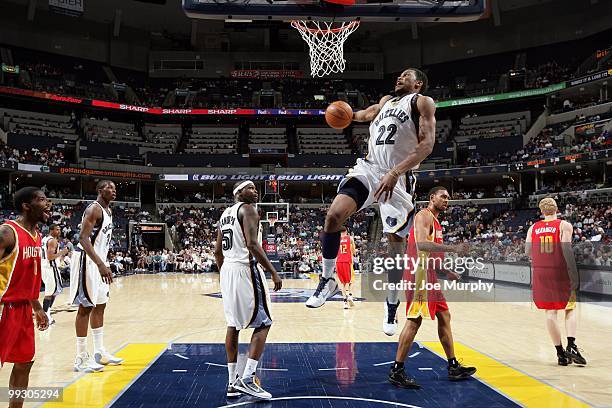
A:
[20, 277]
[551, 284]
[345, 253]
[421, 301]
[546, 246]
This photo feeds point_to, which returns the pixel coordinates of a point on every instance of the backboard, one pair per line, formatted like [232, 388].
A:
[363, 10]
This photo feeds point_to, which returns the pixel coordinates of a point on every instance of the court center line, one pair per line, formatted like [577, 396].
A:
[333, 369]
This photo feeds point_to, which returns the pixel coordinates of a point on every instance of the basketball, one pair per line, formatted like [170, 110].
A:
[339, 115]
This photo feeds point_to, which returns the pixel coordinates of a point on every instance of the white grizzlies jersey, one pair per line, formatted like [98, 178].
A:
[102, 234]
[233, 241]
[393, 133]
[45, 263]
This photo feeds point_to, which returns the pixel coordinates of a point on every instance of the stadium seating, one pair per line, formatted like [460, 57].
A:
[322, 140]
[38, 124]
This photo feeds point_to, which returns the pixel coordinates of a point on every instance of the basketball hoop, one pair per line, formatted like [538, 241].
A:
[326, 44]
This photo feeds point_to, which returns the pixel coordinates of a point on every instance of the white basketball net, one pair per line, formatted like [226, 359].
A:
[326, 44]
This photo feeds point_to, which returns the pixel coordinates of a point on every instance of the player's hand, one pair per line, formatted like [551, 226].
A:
[42, 321]
[386, 187]
[453, 275]
[461, 249]
[106, 273]
[278, 282]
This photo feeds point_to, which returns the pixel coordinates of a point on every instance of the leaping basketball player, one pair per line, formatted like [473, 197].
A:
[91, 278]
[20, 286]
[425, 243]
[555, 278]
[402, 135]
[50, 272]
[246, 299]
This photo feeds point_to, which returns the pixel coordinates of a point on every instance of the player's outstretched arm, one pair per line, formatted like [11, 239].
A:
[368, 114]
[219, 250]
[250, 222]
[423, 225]
[7, 241]
[93, 214]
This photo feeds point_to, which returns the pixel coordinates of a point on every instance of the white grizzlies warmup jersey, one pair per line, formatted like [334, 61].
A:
[50, 274]
[86, 285]
[45, 262]
[101, 235]
[232, 237]
[394, 132]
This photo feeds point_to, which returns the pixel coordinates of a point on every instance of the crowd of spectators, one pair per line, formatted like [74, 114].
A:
[10, 156]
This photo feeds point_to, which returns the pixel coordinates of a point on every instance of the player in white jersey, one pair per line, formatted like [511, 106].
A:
[246, 300]
[49, 269]
[90, 279]
[402, 135]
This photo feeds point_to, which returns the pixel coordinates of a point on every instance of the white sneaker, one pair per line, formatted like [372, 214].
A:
[84, 364]
[105, 358]
[390, 321]
[346, 305]
[251, 387]
[351, 301]
[232, 392]
[327, 288]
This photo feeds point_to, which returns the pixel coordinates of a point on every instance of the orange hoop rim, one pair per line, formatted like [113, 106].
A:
[301, 25]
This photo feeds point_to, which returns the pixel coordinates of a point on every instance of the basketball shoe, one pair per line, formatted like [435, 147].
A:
[326, 289]
[105, 358]
[346, 304]
[85, 364]
[251, 387]
[573, 355]
[232, 392]
[350, 300]
[563, 359]
[399, 378]
[390, 321]
[459, 372]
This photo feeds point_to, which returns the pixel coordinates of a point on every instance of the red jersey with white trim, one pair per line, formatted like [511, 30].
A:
[20, 276]
[345, 252]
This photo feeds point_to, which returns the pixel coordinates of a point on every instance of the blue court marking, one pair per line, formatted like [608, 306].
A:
[293, 296]
[352, 376]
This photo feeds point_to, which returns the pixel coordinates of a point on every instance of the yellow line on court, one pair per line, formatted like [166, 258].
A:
[520, 387]
[99, 389]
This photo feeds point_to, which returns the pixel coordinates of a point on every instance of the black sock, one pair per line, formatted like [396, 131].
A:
[399, 365]
[330, 244]
[560, 351]
[46, 304]
[452, 362]
[570, 342]
[51, 302]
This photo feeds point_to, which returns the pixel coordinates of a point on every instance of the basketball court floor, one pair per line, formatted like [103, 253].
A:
[170, 330]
